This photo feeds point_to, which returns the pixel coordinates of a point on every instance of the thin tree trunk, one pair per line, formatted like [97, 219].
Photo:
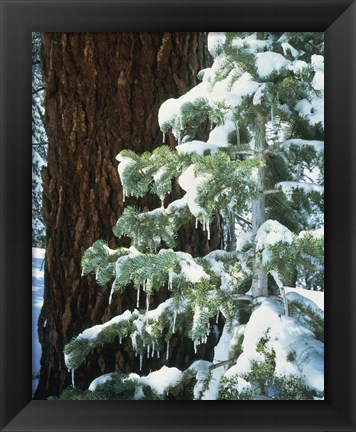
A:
[103, 92]
[259, 283]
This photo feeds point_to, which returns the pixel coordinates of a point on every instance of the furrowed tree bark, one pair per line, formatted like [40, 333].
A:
[103, 92]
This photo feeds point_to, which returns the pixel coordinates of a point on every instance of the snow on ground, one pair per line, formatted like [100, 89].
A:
[37, 301]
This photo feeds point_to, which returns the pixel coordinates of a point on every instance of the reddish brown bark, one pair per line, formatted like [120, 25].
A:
[103, 92]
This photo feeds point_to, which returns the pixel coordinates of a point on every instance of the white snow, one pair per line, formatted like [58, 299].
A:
[199, 147]
[316, 297]
[102, 379]
[154, 314]
[297, 66]
[215, 39]
[318, 81]
[92, 332]
[286, 335]
[124, 163]
[191, 271]
[220, 134]
[190, 182]
[250, 43]
[318, 62]
[318, 233]
[318, 146]
[221, 353]
[288, 48]
[163, 378]
[312, 110]
[159, 380]
[244, 86]
[170, 109]
[37, 302]
[259, 94]
[270, 233]
[289, 186]
[268, 62]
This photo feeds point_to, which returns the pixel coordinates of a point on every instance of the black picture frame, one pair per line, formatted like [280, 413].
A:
[18, 20]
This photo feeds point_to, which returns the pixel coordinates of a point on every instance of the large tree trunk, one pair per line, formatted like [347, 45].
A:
[103, 92]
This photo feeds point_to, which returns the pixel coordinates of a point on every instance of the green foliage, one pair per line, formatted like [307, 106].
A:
[291, 388]
[100, 260]
[226, 181]
[80, 347]
[228, 390]
[149, 230]
[303, 258]
[229, 182]
[119, 387]
[236, 346]
[311, 319]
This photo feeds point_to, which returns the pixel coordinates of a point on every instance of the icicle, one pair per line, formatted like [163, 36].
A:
[195, 346]
[123, 194]
[111, 293]
[120, 340]
[196, 223]
[138, 297]
[148, 352]
[179, 137]
[167, 352]
[141, 360]
[153, 349]
[147, 303]
[144, 283]
[162, 203]
[158, 354]
[174, 321]
[217, 316]
[208, 229]
[73, 378]
[170, 280]
[68, 369]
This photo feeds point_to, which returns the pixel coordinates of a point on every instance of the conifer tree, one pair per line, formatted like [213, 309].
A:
[261, 172]
[39, 144]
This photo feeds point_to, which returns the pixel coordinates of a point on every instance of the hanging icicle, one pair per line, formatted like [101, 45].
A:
[120, 340]
[148, 352]
[167, 352]
[141, 360]
[147, 303]
[73, 385]
[111, 294]
[170, 280]
[195, 346]
[196, 223]
[217, 316]
[174, 321]
[208, 230]
[138, 298]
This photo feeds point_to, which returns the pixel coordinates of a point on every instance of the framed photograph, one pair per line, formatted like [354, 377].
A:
[215, 106]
